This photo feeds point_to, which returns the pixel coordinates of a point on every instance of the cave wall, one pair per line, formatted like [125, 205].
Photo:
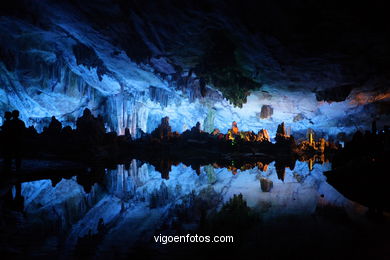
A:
[137, 62]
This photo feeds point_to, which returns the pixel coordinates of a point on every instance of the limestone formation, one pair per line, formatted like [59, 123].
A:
[266, 185]
[266, 111]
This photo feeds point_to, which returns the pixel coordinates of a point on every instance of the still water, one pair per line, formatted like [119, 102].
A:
[133, 202]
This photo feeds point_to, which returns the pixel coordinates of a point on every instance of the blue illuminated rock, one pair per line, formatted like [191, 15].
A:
[142, 68]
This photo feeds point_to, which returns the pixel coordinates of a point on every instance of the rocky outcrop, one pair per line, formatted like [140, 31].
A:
[266, 111]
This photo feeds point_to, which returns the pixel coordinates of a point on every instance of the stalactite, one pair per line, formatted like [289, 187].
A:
[208, 124]
[123, 109]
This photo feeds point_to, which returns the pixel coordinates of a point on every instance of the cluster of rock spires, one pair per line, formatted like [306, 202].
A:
[235, 150]
[90, 143]
[163, 133]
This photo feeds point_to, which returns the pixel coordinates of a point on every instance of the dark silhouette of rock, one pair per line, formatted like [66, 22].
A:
[67, 132]
[16, 135]
[164, 130]
[128, 137]
[366, 155]
[90, 129]
[84, 123]
[127, 132]
[266, 185]
[55, 127]
[31, 132]
[196, 129]
[280, 169]
[281, 130]
[284, 139]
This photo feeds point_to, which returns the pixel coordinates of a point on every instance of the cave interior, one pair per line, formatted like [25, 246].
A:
[144, 118]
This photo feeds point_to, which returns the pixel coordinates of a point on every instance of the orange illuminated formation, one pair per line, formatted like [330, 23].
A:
[234, 128]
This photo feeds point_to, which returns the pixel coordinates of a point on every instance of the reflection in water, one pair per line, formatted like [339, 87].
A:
[13, 198]
[164, 165]
[123, 207]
